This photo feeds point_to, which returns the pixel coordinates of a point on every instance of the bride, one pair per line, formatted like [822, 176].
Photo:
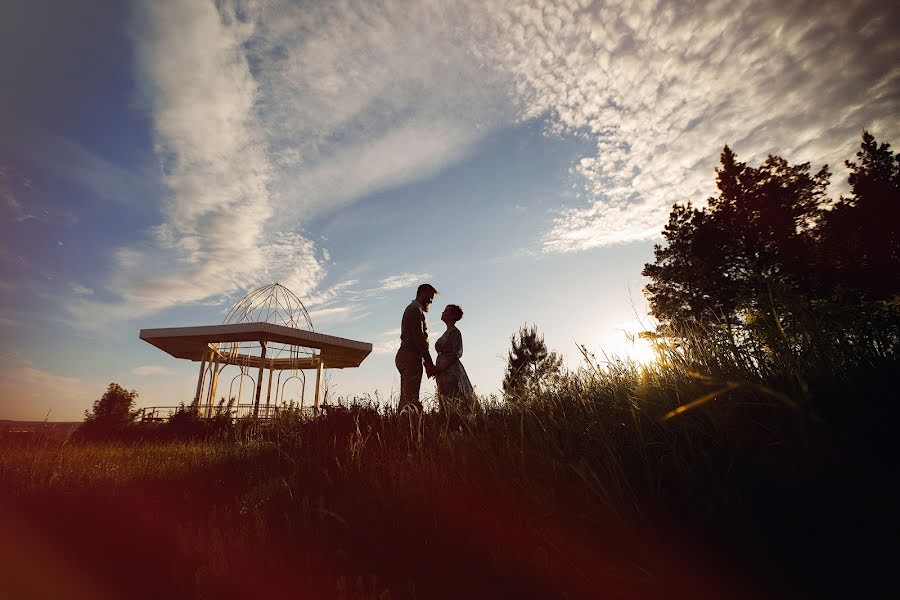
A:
[453, 383]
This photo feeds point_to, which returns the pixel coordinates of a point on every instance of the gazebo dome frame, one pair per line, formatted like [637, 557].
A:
[262, 331]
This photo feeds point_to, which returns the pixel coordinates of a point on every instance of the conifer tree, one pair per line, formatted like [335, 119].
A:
[530, 365]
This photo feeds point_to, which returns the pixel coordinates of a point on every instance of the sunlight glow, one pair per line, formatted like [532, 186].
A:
[624, 342]
[640, 350]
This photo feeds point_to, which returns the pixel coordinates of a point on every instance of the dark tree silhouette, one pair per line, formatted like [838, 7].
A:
[770, 262]
[530, 365]
[751, 244]
[860, 237]
[111, 415]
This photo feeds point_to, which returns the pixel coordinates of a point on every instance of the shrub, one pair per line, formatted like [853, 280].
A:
[112, 416]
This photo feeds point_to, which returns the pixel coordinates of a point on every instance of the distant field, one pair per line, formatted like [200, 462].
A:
[57, 430]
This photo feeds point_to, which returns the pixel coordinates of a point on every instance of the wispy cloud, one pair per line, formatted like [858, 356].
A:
[213, 239]
[249, 154]
[326, 297]
[81, 290]
[12, 185]
[152, 370]
[273, 112]
[100, 178]
[359, 96]
[331, 314]
[347, 300]
[660, 87]
[387, 342]
[403, 280]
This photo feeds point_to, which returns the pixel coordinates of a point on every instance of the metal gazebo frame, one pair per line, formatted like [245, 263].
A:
[262, 331]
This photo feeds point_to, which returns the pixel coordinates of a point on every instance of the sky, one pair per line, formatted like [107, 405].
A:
[159, 160]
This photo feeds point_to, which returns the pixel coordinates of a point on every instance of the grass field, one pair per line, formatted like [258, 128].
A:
[770, 484]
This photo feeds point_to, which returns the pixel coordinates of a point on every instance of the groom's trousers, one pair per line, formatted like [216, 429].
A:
[411, 368]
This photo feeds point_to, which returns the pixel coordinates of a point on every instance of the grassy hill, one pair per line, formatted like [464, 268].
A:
[589, 489]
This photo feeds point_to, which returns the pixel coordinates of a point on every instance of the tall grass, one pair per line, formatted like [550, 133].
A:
[714, 472]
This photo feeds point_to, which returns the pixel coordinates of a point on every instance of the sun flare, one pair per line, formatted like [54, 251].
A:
[640, 350]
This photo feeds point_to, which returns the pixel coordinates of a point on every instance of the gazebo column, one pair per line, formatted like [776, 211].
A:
[259, 378]
[196, 404]
[213, 385]
[319, 366]
[269, 391]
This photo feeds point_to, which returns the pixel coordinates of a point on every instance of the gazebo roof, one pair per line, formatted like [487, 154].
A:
[193, 343]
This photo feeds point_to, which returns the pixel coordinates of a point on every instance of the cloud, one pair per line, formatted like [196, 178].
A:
[346, 300]
[152, 370]
[213, 240]
[271, 113]
[12, 187]
[71, 161]
[387, 342]
[27, 393]
[81, 290]
[326, 297]
[7, 257]
[334, 313]
[268, 113]
[359, 96]
[661, 87]
[403, 280]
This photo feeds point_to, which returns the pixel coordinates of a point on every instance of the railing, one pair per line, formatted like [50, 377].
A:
[235, 411]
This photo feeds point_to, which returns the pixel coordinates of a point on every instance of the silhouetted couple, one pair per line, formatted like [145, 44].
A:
[414, 356]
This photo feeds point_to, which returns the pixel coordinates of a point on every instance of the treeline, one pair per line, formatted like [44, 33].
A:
[772, 262]
[774, 284]
[115, 418]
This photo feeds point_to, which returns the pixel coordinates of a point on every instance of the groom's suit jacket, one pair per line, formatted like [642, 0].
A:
[414, 332]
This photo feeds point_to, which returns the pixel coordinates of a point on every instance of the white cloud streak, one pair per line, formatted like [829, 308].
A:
[347, 301]
[403, 280]
[267, 113]
[152, 370]
[662, 86]
[213, 238]
[358, 96]
[11, 203]
[81, 290]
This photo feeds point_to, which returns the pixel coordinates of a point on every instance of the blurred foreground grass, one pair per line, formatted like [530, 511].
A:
[582, 490]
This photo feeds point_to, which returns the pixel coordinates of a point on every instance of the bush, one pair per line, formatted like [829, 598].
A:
[187, 424]
[112, 416]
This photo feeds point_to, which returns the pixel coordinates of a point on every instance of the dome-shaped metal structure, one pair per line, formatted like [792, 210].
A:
[269, 329]
[271, 303]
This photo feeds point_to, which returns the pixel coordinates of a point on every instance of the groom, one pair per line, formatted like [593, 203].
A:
[413, 352]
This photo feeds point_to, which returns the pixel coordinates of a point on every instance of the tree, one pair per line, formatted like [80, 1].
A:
[770, 263]
[860, 237]
[751, 245]
[530, 365]
[111, 415]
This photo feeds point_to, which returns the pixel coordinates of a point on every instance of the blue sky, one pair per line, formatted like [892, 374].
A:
[159, 160]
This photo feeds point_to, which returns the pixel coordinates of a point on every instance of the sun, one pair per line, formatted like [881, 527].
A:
[640, 350]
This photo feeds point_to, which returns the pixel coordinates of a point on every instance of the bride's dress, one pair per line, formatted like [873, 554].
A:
[452, 381]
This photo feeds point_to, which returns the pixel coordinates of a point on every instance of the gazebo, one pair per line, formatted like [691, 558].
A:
[268, 330]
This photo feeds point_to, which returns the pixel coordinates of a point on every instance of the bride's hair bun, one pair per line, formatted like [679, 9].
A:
[455, 311]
